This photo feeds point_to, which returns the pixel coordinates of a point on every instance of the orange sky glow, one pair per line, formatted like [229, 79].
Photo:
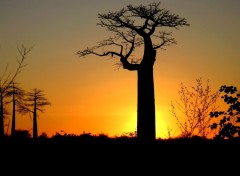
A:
[90, 94]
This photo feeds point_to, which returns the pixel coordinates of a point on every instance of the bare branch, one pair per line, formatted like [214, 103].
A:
[165, 39]
[195, 105]
[23, 51]
[132, 27]
[34, 98]
[124, 40]
[6, 81]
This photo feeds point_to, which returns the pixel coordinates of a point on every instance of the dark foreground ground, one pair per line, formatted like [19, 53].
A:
[98, 145]
[122, 156]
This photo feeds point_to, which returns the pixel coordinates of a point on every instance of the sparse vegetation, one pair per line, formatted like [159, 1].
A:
[192, 111]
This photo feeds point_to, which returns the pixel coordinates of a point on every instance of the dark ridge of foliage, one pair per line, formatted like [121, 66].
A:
[101, 147]
[89, 139]
[94, 150]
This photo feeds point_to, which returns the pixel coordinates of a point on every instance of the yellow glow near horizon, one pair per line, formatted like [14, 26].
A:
[161, 125]
[87, 94]
[163, 129]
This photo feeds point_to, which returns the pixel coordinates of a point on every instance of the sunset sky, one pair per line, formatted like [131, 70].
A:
[90, 94]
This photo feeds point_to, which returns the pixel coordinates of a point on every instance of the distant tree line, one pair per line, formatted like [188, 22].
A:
[13, 96]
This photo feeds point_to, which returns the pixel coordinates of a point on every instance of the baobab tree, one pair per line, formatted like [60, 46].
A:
[35, 101]
[132, 27]
[6, 80]
[17, 95]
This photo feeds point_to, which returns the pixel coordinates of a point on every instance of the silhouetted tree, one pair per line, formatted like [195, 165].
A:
[196, 102]
[7, 79]
[132, 27]
[17, 94]
[228, 125]
[35, 101]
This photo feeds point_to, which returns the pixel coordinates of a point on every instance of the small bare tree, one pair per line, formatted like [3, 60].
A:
[194, 107]
[6, 80]
[35, 101]
[16, 95]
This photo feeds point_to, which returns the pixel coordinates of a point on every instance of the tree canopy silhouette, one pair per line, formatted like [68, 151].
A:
[35, 101]
[228, 123]
[6, 80]
[17, 95]
[132, 27]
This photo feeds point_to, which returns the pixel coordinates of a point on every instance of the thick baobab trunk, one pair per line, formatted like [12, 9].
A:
[146, 105]
[35, 130]
[13, 116]
[146, 130]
